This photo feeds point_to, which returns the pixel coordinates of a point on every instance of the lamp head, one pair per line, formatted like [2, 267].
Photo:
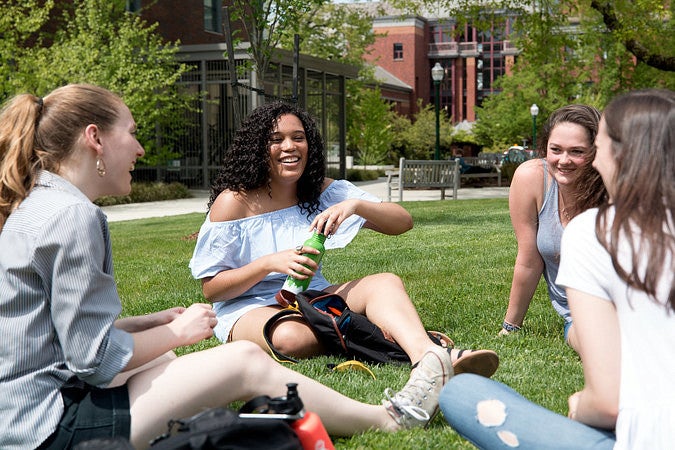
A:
[437, 72]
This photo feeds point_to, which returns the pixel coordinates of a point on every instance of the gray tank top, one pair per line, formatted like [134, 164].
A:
[549, 235]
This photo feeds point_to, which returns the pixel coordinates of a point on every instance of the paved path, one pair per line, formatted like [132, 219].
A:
[197, 204]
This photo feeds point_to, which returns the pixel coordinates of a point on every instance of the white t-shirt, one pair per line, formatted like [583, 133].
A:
[647, 394]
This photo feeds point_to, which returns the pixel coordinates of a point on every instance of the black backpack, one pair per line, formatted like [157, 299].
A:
[262, 423]
[340, 330]
[222, 428]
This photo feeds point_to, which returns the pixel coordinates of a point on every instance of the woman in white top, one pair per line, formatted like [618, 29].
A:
[618, 265]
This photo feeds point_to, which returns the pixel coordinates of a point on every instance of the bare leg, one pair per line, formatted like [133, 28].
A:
[237, 371]
[384, 300]
[122, 377]
[572, 340]
[290, 337]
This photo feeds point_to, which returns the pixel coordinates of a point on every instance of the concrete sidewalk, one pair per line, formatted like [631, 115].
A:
[197, 204]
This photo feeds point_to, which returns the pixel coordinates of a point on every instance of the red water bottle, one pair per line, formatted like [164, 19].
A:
[308, 426]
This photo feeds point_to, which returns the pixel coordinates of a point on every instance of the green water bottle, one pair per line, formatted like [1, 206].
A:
[316, 241]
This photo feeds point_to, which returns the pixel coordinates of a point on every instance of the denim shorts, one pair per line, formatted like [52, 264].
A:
[91, 413]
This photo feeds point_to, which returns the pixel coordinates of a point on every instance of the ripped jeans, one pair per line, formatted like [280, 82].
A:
[491, 415]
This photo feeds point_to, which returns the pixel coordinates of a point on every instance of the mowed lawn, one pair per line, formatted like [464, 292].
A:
[457, 265]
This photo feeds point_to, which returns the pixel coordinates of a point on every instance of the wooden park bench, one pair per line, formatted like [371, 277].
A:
[423, 174]
[487, 161]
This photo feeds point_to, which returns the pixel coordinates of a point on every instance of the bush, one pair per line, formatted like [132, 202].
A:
[362, 174]
[356, 174]
[147, 192]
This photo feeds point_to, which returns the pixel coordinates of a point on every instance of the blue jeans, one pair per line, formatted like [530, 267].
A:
[491, 415]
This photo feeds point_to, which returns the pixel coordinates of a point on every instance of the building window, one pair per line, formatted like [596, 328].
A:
[133, 6]
[212, 17]
[398, 51]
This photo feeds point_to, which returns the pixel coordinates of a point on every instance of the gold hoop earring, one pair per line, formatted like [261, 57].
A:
[100, 167]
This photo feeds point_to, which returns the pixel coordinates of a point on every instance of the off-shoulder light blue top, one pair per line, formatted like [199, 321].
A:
[235, 243]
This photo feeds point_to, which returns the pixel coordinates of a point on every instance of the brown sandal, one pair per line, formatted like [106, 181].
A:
[480, 362]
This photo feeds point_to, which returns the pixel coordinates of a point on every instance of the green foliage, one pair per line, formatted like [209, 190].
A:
[416, 139]
[147, 192]
[332, 31]
[266, 23]
[456, 263]
[20, 20]
[370, 132]
[97, 42]
[356, 174]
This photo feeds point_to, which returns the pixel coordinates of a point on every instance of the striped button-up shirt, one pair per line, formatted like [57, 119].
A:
[58, 302]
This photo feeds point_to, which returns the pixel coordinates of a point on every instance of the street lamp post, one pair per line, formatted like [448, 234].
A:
[534, 111]
[437, 73]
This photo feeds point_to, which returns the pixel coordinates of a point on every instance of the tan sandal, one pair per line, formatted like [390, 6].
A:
[480, 362]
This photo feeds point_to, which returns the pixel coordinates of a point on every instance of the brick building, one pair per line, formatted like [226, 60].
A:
[408, 46]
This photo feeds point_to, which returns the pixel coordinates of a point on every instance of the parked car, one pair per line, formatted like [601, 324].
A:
[518, 154]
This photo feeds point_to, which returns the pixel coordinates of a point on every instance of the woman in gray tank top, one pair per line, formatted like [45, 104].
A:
[546, 193]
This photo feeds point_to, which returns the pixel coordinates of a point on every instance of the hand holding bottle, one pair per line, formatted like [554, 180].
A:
[313, 249]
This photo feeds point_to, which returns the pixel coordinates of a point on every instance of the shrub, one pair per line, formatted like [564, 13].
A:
[356, 174]
[147, 192]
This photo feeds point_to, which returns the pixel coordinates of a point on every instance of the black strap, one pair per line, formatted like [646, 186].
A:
[258, 405]
[267, 333]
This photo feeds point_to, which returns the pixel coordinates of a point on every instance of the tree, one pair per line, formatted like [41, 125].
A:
[333, 31]
[19, 23]
[264, 23]
[370, 132]
[416, 139]
[643, 37]
[97, 42]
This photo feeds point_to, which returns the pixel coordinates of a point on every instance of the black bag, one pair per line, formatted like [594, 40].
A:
[222, 428]
[340, 330]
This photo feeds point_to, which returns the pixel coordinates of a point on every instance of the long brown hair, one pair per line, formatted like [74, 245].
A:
[37, 134]
[641, 126]
[589, 190]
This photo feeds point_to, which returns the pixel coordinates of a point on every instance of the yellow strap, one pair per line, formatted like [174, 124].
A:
[354, 365]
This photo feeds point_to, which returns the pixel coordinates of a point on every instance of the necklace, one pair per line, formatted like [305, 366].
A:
[563, 210]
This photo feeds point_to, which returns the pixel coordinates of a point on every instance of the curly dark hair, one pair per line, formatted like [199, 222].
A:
[246, 161]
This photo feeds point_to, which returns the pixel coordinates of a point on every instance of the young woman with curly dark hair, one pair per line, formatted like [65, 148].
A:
[270, 194]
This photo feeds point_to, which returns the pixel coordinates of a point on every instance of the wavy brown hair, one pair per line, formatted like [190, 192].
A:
[590, 190]
[641, 126]
[246, 162]
[37, 134]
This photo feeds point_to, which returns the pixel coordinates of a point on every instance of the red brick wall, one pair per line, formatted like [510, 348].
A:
[413, 69]
[182, 19]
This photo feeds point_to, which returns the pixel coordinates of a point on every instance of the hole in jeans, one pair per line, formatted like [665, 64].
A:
[508, 438]
[491, 413]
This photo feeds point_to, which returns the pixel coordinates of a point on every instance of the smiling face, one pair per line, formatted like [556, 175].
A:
[121, 150]
[288, 149]
[568, 150]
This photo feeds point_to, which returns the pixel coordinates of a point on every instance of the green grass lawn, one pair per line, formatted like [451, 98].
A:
[457, 264]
